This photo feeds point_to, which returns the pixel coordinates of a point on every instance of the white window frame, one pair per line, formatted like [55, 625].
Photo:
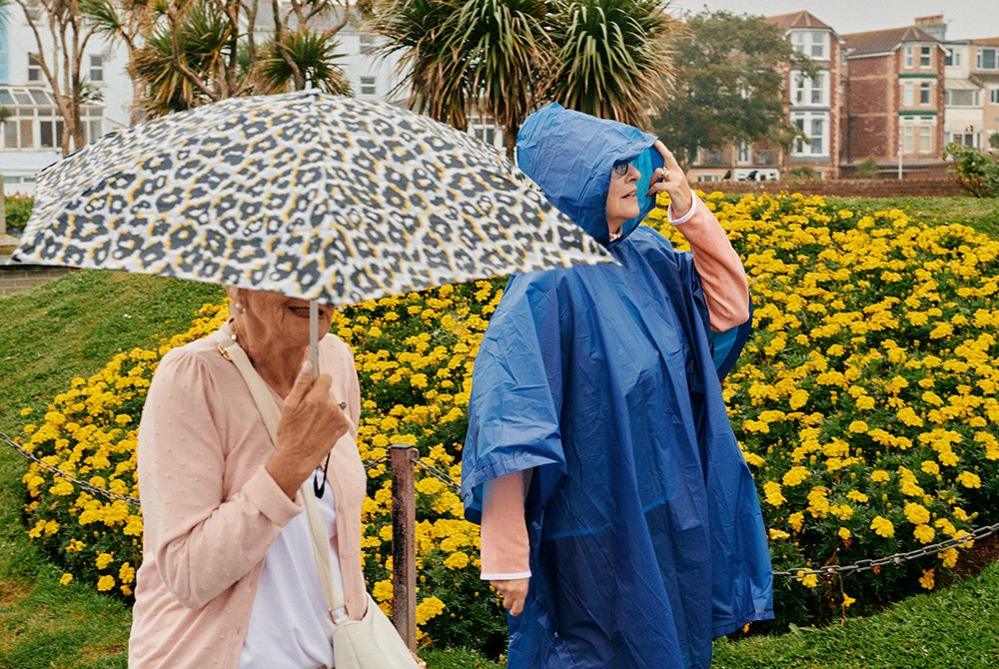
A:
[908, 57]
[949, 97]
[35, 74]
[980, 58]
[926, 91]
[953, 55]
[908, 94]
[95, 65]
[368, 43]
[369, 85]
[963, 137]
[994, 95]
[33, 109]
[926, 128]
[744, 153]
[811, 91]
[811, 43]
[925, 57]
[807, 119]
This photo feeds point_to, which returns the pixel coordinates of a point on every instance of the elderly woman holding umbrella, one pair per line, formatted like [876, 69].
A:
[286, 199]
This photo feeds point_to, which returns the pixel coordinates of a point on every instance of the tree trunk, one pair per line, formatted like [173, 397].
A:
[510, 142]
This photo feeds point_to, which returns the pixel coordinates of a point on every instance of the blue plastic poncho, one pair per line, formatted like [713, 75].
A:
[646, 535]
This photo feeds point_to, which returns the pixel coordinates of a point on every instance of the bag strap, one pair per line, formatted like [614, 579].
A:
[269, 411]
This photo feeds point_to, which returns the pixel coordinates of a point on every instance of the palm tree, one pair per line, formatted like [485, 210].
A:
[614, 59]
[491, 55]
[199, 51]
[303, 59]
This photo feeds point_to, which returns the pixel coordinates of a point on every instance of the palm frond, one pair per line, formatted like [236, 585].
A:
[203, 40]
[614, 57]
[315, 58]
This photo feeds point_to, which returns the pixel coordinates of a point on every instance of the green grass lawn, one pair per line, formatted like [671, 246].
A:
[72, 326]
[979, 213]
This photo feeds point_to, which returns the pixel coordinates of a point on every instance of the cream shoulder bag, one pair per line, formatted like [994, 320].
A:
[371, 642]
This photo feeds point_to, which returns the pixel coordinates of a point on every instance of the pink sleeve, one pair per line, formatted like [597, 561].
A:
[723, 279]
[203, 542]
[505, 549]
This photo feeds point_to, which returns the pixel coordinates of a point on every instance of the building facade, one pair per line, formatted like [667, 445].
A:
[895, 100]
[972, 93]
[31, 137]
[813, 104]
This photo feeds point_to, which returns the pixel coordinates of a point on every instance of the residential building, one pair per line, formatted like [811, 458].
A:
[983, 61]
[814, 104]
[31, 137]
[895, 99]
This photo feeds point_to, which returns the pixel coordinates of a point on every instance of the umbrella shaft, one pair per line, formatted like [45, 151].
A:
[314, 336]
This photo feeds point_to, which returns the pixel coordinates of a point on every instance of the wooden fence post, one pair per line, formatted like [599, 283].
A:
[404, 542]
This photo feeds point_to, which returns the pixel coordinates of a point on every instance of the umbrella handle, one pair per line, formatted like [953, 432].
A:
[314, 336]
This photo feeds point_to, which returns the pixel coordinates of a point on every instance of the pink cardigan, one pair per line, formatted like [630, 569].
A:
[505, 552]
[211, 510]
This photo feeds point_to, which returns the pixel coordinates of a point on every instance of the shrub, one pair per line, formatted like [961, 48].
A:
[976, 171]
[18, 212]
[802, 173]
[867, 168]
[865, 404]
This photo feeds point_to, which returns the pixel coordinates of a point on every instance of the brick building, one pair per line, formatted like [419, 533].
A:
[895, 100]
[814, 104]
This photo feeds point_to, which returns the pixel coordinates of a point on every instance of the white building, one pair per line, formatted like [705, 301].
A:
[31, 138]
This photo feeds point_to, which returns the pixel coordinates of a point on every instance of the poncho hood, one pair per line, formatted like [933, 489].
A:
[570, 155]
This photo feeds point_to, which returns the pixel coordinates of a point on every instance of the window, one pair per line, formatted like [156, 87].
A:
[35, 122]
[34, 68]
[97, 68]
[964, 138]
[953, 57]
[811, 90]
[925, 56]
[368, 86]
[994, 96]
[50, 132]
[815, 126]
[908, 56]
[925, 139]
[961, 98]
[812, 43]
[369, 43]
[924, 93]
[745, 154]
[917, 134]
[987, 59]
[908, 97]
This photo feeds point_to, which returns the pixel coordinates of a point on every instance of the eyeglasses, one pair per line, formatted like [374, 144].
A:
[620, 169]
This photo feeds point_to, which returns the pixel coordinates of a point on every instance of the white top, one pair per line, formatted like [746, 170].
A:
[289, 625]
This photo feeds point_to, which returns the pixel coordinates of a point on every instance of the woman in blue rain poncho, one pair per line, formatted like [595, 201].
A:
[620, 522]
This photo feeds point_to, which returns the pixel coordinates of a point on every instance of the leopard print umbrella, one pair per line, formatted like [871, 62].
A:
[318, 197]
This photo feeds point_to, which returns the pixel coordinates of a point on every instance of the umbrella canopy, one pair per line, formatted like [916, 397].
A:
[318, 197]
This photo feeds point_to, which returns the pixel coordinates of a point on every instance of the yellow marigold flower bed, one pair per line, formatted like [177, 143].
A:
[865, 404]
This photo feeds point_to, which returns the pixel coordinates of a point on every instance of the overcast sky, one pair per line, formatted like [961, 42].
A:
[965, 18]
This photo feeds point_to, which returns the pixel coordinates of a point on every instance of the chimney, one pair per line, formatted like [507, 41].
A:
[934, 25]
